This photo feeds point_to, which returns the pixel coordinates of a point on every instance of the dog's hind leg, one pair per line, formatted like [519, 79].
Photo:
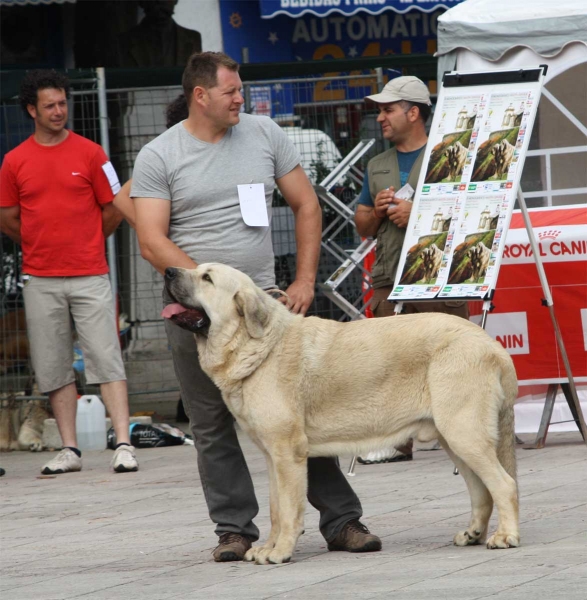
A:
[482, 459]
[481, 503]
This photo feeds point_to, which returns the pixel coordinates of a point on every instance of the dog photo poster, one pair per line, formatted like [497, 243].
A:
[475, 247]
[430, 243]
[452, 138]
[466, 191]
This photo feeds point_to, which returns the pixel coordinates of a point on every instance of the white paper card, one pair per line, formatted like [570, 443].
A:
[405, 193]
[112, 177]
[251, 197]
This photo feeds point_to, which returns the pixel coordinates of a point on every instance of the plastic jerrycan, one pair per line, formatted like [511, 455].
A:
[90, 423]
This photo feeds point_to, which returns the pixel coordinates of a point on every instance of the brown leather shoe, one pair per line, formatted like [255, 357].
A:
[355, 537]
[231, 546]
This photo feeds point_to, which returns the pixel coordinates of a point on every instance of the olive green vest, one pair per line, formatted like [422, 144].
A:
[384, 172]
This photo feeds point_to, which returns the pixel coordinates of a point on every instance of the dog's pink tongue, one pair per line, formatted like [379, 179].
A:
[172, 309]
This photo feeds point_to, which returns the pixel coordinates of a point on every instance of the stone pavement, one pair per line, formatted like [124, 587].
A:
[102, 536]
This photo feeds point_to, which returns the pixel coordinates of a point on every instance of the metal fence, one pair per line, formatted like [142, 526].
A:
[324, 118]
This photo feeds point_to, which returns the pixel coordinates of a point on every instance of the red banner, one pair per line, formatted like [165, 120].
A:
[520, 321]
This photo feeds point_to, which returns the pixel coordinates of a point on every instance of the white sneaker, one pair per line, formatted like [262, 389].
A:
[384, 456]
[124, 459]
[66, 461]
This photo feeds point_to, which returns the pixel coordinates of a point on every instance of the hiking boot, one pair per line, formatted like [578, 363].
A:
[66, 461]
[355, 537]
[231, 546]
[124, 460]
[390, 455]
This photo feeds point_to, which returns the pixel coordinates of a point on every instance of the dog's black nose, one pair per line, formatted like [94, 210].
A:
[171, 273]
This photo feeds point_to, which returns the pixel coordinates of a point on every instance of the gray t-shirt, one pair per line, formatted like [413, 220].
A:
[200, 180]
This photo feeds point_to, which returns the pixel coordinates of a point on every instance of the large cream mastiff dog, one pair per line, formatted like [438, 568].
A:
[313, 387]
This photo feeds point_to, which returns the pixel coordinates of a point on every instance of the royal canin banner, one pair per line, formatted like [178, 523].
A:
[520, 321]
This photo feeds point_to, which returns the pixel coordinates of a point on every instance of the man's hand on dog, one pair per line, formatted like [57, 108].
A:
[300, 295]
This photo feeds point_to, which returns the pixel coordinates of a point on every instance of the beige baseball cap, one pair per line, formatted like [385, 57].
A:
[408, 88]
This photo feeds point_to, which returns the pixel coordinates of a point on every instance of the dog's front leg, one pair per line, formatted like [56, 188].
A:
[254, 552]
[290, 471]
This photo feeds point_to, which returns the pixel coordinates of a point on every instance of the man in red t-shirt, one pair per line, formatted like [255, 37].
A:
[56, 192]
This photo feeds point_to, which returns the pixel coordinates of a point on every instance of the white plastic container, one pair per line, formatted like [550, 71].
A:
[90, 423]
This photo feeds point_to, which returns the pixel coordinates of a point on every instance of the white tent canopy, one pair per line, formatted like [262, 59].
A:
[484, 35]
[492, 27]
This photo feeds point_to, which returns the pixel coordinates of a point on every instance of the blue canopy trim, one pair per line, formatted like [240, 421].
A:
[322, 8]
[33, 2]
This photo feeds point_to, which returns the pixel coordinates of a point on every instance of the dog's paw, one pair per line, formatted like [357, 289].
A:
[257, 555]
[468, 538]
[503, 540]
[262, 555]
[36, 446]
[250, 555]
[275, 558]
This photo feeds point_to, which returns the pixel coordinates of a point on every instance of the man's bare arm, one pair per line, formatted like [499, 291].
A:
[301, 197]
[10, 222]
[111, 218]
[366, 221]
[152, 226]
[124, 203]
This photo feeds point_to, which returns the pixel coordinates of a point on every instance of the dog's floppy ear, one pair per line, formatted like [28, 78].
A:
[252, 306]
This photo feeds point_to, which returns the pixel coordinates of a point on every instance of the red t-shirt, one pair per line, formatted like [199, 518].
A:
[59, 189]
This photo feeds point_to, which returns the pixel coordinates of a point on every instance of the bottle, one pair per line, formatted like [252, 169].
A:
[90, 423]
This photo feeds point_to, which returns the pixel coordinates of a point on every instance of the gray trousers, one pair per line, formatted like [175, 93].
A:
[226, 481]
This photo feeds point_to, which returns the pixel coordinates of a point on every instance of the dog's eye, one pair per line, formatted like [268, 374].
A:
[207, 277]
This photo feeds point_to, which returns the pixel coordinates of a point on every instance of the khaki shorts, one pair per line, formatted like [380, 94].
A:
[50, 305]
[381, 307]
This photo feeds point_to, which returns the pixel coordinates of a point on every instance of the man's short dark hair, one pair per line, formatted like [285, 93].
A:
[424, 109]
[176, 111]
[202, 70]
[40, 79]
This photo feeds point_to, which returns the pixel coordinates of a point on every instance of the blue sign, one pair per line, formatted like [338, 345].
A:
[323, 8]
[310, 37]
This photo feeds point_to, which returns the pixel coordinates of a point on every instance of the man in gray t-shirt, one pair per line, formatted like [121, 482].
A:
[202, 193]
[200, 181]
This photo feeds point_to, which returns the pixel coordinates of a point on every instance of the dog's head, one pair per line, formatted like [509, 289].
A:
[214, 298]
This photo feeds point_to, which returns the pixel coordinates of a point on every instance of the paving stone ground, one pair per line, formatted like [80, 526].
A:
[96, 535]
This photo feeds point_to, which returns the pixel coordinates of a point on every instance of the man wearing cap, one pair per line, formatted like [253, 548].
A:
[404, 107]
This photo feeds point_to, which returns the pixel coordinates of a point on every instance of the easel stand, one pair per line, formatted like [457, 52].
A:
[540, 440]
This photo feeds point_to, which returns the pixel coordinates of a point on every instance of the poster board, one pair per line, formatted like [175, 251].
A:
[467, 188]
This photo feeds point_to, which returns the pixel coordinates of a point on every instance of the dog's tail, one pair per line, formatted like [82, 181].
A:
[506, 449]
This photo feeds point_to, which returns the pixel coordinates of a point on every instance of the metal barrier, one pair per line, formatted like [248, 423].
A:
[323, 131]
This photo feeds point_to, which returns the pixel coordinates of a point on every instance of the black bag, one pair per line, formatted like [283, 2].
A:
[151, 436]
